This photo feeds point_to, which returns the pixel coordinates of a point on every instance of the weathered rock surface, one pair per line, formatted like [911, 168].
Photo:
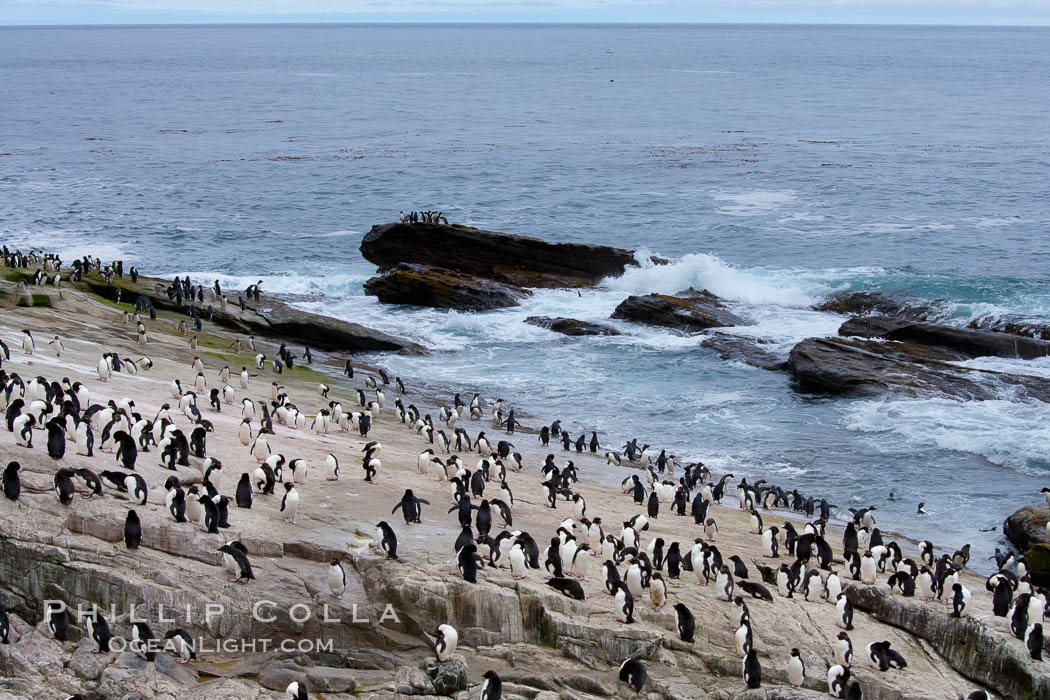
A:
[441, 288]
[517, 260]
[270, 318]
[690, 311]
[1038, 558]
[749, 351]
[863, 367]
[976, 650]
[1011, 326]
[967, 342]
[867, 303]
[1027, 526]
[571, 326]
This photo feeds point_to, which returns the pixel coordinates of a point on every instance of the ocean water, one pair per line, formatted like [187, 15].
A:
[774, 164]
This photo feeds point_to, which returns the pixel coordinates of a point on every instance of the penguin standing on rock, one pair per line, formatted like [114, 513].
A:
[245, 491]
[445, 640]
[12, 481]
[492, 688]
[409, 506]
[752, 671]
[296, 690]
[290, 503]
[336, 578]
[632, 672]
[387, 539]
[236, 552]
[132, 530]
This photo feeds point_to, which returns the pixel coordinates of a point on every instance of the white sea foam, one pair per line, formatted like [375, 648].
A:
[1039, 367]
[1007, 433]
[752, 202]
[703, 271]
[290, 283]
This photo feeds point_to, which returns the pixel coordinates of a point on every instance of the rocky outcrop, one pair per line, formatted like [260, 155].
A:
[271, 318]
[1038, 558]
[1027, 526]
[1013, 327]
[571, 326]
[967, 342]
[521, 261]
[973, 648]
[867, 303]
[864, 367]
[440, 288]
[735, 348]
[691, 311]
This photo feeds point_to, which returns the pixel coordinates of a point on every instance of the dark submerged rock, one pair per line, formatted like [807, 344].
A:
[747, 350]
[690, 311]
[571, 326]
[422, 285]
[868, 303]
[522, 261]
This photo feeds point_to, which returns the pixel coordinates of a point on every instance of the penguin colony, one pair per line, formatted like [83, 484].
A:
[633, 568]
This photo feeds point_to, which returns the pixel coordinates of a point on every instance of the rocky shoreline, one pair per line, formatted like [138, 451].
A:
[543, 644]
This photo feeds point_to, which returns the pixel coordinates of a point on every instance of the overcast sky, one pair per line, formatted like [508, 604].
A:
[1034, 12]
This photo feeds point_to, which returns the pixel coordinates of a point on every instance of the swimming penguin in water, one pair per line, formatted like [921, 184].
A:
[632, 673]
[132, 530]
[387, 539]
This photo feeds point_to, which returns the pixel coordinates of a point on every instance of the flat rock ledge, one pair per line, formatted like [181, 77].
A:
[690, 311]
[571, 326]
[441, 288]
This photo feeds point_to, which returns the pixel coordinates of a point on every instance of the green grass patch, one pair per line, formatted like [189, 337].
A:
[17, 275]
[37, 300]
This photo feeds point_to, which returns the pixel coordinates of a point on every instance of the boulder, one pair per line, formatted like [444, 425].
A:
[448, 677]
[522, 261]
[974, 648]
[735, 348]
[1027, 526]
[441, 288]
[863, 367]
[690, 311]
[967, 342]
[867, 303]
[1038, 558]
[1012, 326]
[571, 326]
